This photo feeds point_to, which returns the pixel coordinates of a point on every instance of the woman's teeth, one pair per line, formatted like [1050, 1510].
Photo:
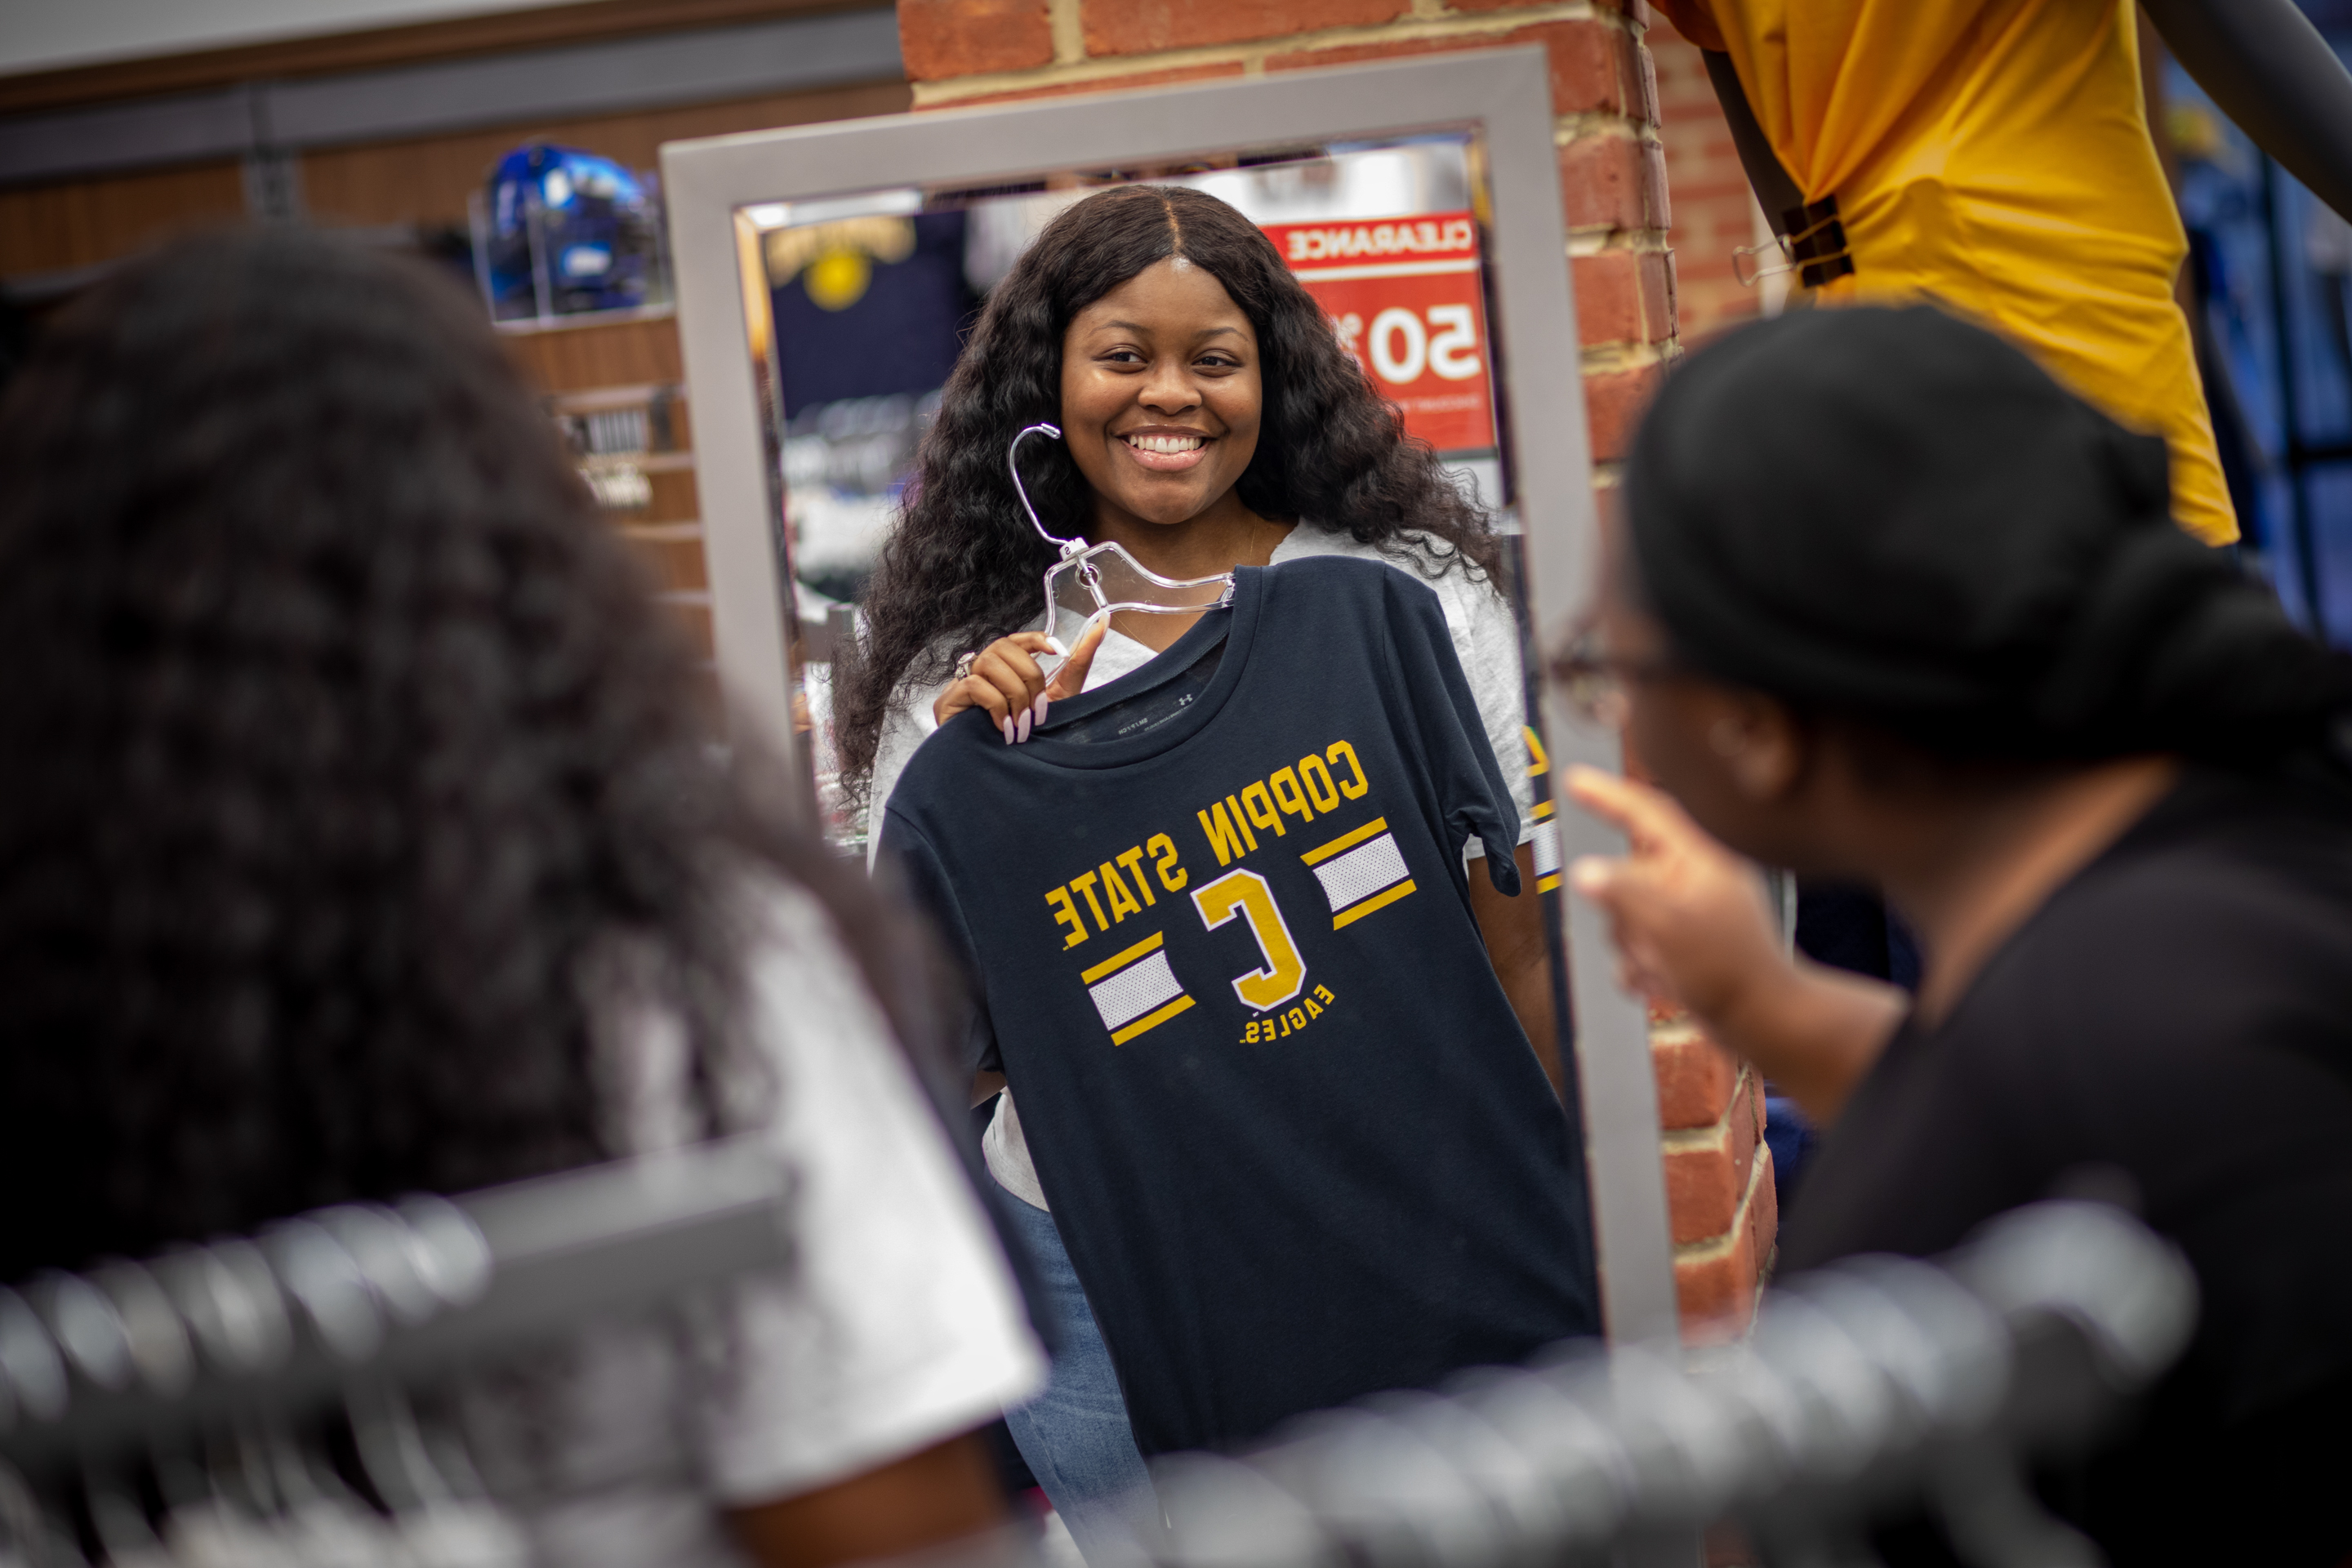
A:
[1168, 444]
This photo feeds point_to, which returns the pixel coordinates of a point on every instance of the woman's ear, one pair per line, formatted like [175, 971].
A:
[1762, 746]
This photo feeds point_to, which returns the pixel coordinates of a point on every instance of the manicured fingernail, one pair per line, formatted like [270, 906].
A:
[1008, 729]
[1023, 733]
[1040, 707]
[1054, 645]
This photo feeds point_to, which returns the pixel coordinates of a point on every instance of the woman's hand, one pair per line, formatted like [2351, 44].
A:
[1692, 927]
[1005, 679]
[1690, 919]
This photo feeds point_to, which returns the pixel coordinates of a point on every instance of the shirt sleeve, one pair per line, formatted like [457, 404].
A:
[899, 1324]
[908, 857]
[1487, 640]
[1445, 717]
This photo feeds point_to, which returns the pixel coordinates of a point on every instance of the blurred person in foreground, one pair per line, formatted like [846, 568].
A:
[1891, 606]
[364, 833]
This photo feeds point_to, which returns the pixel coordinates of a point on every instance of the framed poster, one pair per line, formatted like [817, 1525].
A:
[824, 275]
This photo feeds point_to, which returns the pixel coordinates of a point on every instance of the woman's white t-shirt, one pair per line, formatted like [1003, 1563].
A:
[1485, 639]
[897, 1325]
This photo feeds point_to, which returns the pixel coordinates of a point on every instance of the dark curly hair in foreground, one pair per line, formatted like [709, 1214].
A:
[962, 568]
[339, 734]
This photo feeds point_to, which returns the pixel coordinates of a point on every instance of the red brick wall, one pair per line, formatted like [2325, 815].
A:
[1613, 67]
[1612, 167]
[1720, 1189]
[1712, 208]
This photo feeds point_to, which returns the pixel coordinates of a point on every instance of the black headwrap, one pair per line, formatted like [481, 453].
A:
[1896, 515]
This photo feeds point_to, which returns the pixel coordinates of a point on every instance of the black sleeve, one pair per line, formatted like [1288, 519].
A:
[1444, 721]
[2274, 74]
[908, 857]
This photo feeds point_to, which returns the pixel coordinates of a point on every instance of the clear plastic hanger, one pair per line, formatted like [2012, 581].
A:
[1099, 581]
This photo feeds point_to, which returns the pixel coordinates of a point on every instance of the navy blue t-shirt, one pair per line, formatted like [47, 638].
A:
[1218, 921]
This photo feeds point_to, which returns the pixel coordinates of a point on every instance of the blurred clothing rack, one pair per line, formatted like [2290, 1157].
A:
[1876, 1384]
[131, 1354]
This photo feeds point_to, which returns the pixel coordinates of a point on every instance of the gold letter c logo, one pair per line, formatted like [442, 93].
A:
[1245, 893]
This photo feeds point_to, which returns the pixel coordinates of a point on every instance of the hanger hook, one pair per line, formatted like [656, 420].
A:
[1068, 547]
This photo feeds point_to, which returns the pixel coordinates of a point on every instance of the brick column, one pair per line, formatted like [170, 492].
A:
[1714, 210]
[1719, 1188]
[1613, 174]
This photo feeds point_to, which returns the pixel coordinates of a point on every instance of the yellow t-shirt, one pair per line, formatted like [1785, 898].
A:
[1994, 154]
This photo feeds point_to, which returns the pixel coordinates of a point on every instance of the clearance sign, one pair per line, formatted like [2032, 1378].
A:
[1405, 295]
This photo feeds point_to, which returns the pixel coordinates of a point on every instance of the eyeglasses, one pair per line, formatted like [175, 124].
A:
[1594, 680]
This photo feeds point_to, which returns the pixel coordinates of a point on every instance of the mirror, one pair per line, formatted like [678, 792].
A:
[825, 276]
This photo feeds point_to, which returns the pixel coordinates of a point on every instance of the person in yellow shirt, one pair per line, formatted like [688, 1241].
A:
[1995, 155]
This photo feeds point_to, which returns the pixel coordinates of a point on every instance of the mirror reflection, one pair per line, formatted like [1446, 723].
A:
[1159, 629]
[868, 297]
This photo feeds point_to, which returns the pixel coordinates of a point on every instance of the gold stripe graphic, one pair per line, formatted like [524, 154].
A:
[1379, 900]
[1149, 1020]
[1543, 809]
[1346, 840]
[1121, 960]
[1547, 883]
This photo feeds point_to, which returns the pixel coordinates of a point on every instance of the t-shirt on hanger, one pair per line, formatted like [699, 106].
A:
[1486, 641]
[1217, 914]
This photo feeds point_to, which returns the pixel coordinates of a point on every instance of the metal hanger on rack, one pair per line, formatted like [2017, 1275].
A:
[1868, 1388]
[183, 1413]
[1099, 581]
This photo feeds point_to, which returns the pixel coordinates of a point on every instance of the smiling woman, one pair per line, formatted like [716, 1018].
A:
[1146, 312]
[1211, 420]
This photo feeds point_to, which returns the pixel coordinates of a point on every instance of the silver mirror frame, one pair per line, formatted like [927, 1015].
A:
[1505, 97]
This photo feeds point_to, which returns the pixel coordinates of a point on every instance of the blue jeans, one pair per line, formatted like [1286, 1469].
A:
[1075, 1436]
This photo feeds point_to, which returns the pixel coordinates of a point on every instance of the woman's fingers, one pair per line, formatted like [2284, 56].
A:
[953, 701]
[1005, 678]
[1686, 916]
[972, 691]
[1012, 694]
[1628, 892]
[1029, 642]
[1010, 665]
[1594, 877]
[1071, 679]
[1605, 795]
[1647, 816]
[1013, 670]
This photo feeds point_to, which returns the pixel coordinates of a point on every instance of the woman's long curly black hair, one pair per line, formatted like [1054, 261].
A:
[962, 568]
[339, 738]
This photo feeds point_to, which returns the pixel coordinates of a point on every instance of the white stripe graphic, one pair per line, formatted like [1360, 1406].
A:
[1135, 990]
[1362, 871]
[1547, 847]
